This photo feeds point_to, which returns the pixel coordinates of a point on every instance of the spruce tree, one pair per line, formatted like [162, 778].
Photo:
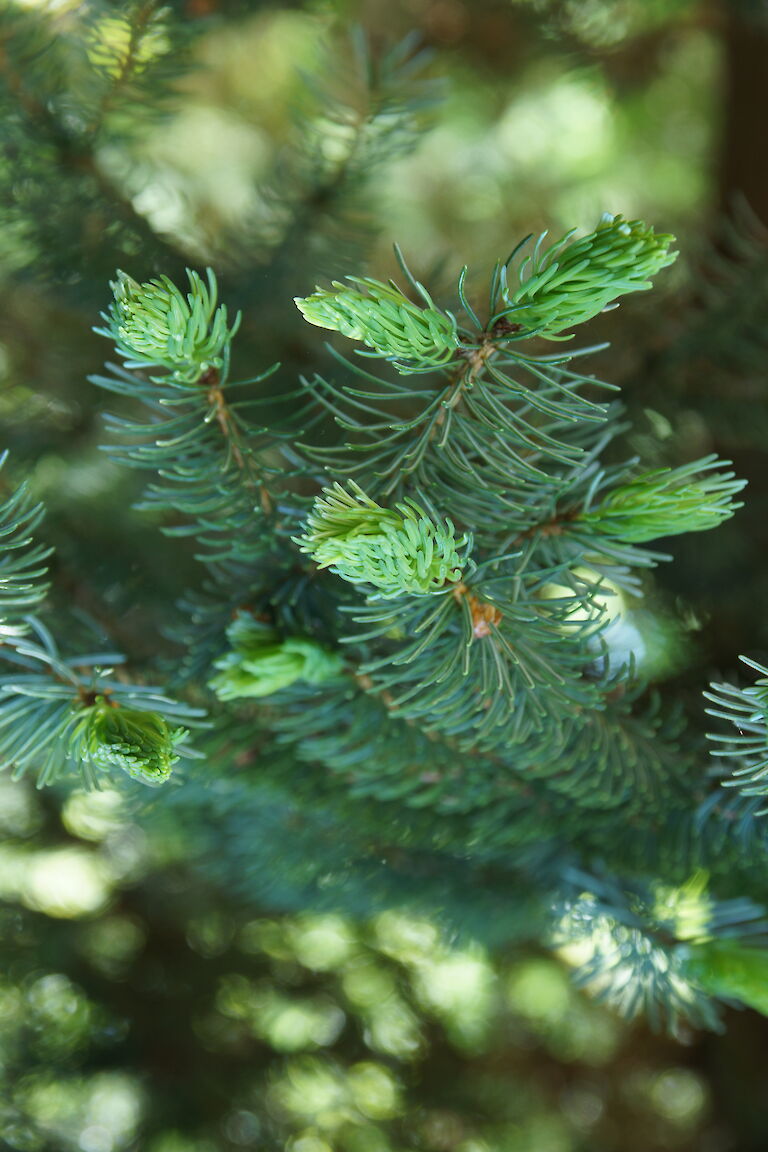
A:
[385, 657]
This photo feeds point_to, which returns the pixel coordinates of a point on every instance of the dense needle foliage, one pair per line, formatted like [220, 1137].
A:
[373, 617]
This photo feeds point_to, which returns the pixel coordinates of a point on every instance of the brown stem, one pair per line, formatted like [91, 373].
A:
[231, 434]
[485, 615]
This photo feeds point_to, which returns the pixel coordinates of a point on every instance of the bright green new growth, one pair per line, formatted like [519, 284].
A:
[402, 551]
[385, 320]
[140, 743]
[499, 726]
[730, 969]
[667, 502]
[155, 324]
[570, 283]
[260, 662]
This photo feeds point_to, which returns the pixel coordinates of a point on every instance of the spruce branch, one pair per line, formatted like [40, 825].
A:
[479, 681]
[122, 48]
[156, 325]
[198, 441]
[139, 742]
[59, 717]
[507, 439]
[22, 560]
[624, 954]
[400, 550]
[479, 723]
[364, 111]
[666, 502]
[260, 663]
[744, 750]
[384, 319]
[664, 950]
[574, 280]
[58, 714]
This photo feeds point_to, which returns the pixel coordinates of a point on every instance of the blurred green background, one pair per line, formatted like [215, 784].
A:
[142, 1005]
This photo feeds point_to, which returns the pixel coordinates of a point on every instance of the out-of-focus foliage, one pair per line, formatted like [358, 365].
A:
[143, 1009]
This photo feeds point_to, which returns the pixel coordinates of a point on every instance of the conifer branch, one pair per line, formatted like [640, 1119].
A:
[47, 82]
[57, 714]
[22, 561]
[744, 750]
[120, 67]
[418, 609]
[367, 107]
[210, 477]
